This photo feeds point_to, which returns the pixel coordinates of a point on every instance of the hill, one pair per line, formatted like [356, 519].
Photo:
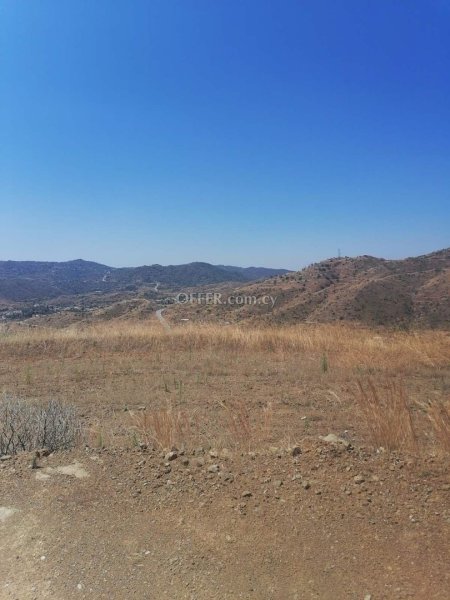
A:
[29, 281]
[375, 291]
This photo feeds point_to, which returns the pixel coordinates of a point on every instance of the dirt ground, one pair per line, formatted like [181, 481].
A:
[327, 523]
[270, 510]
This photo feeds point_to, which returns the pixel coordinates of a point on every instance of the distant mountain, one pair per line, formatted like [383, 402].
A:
[413, 291]
[192, 274]
[254, 273]
[28, 281]
[24, 281]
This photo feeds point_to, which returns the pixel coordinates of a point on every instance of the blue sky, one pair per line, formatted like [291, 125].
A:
[230, 131]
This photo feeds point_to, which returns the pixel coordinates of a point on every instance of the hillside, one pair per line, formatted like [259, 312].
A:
[28, 281]
[365, 289]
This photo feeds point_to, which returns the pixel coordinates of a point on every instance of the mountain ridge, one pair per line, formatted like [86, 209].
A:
[27, 281]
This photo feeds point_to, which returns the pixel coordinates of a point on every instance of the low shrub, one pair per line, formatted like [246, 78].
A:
[27, 426]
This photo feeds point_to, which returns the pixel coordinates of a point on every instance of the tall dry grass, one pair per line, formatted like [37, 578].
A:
[245, 426]
[345, 346]
[164, 428]
[388, 415]
[241, 427]
[439, 415]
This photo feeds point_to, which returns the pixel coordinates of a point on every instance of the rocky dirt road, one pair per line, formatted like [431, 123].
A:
[321, 521]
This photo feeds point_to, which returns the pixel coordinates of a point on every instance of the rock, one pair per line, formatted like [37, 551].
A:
[306, 485]
[296, 450]
[358, 479]
[213, 469]
[277, 483]
[213, 454]
[200, 462]
[6, 457]
[185, 461]
[332, 438]
[172, 455]
[6, 512]
[76, 469]
[368, 597]
[247, 494]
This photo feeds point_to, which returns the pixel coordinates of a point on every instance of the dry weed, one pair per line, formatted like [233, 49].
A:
[387, 415]
[165, 427]
[439, 415]
[248, 429]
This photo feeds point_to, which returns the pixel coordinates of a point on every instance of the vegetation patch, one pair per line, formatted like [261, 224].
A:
[26, 426]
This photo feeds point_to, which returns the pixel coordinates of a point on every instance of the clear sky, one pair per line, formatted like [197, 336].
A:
[246, 132]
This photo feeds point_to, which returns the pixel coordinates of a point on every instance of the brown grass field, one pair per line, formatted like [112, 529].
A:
[254, 503]
[229, 385]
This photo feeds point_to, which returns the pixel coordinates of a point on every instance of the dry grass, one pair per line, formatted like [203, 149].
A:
[165, 428]
[240, 427]
[233, 385]
[344, 345]
[439, 414]
[246, 427]
[387, 415]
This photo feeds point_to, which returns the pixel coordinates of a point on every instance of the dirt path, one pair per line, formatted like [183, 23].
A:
[134, 525]
[161, 319]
